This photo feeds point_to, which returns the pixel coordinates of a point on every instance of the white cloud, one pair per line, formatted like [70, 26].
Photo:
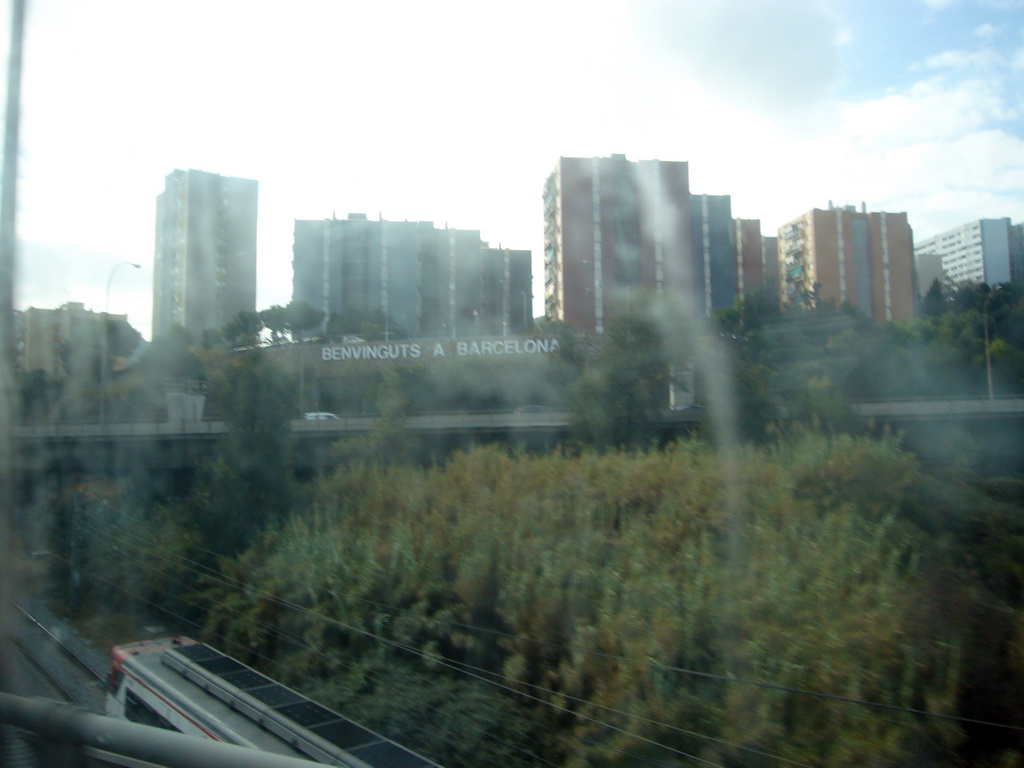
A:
[936, 152]
[961, 60]
[987, 30]
[940, 150]
[733, 48]
[1004, 5]
[999, 5]
[928, 110]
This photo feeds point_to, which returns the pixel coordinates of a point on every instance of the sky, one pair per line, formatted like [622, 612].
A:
[455, 111]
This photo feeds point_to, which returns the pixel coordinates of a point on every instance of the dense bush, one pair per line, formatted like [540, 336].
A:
[610, 598]
[612, 608]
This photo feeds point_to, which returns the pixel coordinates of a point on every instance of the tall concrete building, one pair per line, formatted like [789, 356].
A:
[419, 280]
[849, 256]
[612, 226]
[982, 251]
[507, 290]
[205, 269]
[757, 258]
[715, 263]
[1017, 253]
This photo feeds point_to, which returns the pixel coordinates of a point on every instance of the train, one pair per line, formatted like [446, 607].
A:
[181, 684]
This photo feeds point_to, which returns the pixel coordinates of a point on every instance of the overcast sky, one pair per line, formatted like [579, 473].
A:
[455, 112]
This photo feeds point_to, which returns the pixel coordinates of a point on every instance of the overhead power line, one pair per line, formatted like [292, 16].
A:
[421, 654]
[477, 673]
[647, 664]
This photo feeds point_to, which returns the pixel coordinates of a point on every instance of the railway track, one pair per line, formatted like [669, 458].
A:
[52, 664]
[68, 667]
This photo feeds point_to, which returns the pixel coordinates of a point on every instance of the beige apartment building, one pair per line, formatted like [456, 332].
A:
[49, 339]
[846, 256]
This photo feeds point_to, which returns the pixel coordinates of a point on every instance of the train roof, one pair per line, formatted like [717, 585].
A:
[122, 652]
[271, 716]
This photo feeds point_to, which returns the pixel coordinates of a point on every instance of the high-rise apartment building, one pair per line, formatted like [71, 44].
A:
[849, 256]
[1017, 253]
[982, 251]
[715, 264]
[205, 269]
[420, 280]
[507, 290]
[612, 226]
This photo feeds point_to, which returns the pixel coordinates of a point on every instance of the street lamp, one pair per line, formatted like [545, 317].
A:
[106, 333]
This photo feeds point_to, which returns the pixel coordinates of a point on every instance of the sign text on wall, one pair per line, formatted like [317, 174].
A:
[441, 348]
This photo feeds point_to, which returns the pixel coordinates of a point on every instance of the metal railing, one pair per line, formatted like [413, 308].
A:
[485, 420]
[119, 742]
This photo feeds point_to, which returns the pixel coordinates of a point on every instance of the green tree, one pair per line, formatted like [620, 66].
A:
[172, 356]
[824, 407]
[292, 320]
[752, 312]
[275, 320]
[247, 486]
[756, 404]
[388, 442]
[40, 394]
[625, 388]
[935, 301]
[122, 339]
[302, 317]
[366, 323]
[243, 329]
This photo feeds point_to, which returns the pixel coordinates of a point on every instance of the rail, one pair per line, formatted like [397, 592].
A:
[70, 646]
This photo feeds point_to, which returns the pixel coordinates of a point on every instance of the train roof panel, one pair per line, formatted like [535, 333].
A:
[388, 755]
[211, 713]
[275, 696]
[315, 730]
[308, 713]
[345, 734]
[246, 680]
[199, 651]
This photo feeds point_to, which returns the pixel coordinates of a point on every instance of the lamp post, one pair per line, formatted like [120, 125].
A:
[988, 355]
[106, 333]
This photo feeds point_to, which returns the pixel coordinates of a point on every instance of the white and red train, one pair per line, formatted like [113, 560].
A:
[187, 686]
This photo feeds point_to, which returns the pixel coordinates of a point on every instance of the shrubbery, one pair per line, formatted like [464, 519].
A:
[583, 584]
